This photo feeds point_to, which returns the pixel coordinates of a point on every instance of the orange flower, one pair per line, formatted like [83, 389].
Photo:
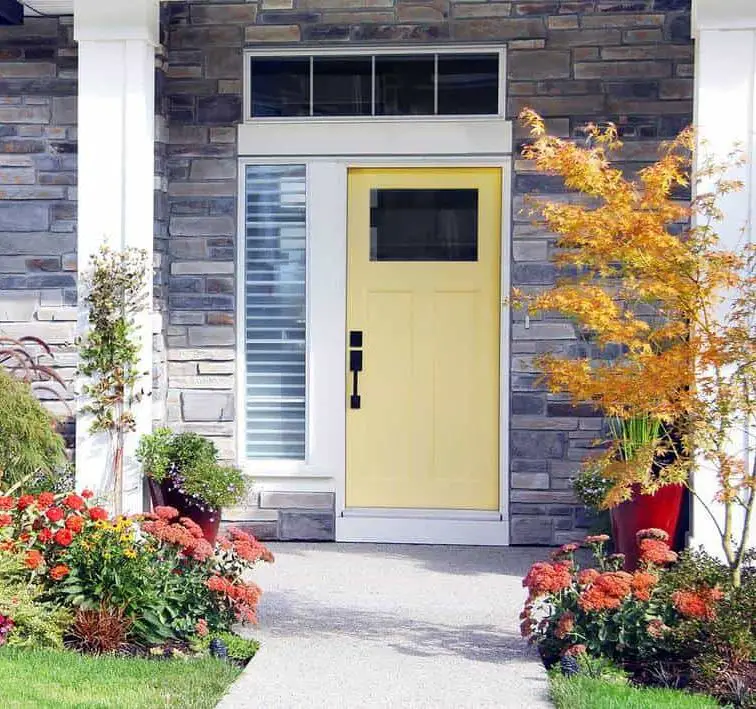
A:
[544, 577]
[166, 513]
[656, 552]
[59, 572]
[587, 576]
[652, 533]
[575, 650]
[642, 584]
[201, 628]
[217, 583]
[606, 592]
[75, 523]
[33, 559]
[656, 628]
[698, 604]
[597, 539]
[565, 625]
[5, 520]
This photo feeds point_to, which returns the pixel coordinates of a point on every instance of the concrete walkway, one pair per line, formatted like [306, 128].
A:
[365, 625]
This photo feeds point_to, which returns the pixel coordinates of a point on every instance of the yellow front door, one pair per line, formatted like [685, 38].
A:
[423, 317]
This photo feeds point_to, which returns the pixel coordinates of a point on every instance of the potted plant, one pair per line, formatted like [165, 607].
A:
[183, 471]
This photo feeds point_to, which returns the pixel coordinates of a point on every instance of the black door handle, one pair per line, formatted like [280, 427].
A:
[355, 367]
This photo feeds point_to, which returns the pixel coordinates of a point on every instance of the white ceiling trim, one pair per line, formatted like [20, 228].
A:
[723, 15]
[48, 7]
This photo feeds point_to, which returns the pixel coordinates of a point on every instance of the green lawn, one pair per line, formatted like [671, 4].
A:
[586, 693]
[67, 680]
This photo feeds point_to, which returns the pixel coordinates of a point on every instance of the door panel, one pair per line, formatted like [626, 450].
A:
[424, 288]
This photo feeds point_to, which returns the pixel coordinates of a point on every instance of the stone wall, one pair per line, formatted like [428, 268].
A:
[629, 61]
[38, 71]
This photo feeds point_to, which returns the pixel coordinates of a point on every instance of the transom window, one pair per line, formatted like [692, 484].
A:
[386, 83]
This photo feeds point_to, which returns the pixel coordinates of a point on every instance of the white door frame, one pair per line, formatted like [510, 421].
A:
[488, 144]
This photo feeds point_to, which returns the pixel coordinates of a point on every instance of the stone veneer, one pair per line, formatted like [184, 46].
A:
[574, 61]
[38, 79]
[629, 61]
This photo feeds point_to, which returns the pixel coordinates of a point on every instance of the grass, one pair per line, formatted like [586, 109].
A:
[46, 679]
[587, 693]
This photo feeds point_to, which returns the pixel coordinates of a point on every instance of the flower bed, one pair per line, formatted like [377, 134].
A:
[674, 622]
[71, 575]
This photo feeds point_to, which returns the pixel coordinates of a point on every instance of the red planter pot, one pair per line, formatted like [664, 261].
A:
[662, 510]
[166, 493]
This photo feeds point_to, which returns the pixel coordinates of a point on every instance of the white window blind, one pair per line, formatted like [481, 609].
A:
[275, 299]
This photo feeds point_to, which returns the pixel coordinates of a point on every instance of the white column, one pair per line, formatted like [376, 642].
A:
[725, 103]
[117, 40]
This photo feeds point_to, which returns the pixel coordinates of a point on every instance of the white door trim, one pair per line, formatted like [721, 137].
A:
[326, 346]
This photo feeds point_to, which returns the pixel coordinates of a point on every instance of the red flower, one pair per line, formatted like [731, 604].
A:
[33, 559]
[45, 536]
[75, 523]
[87, 494]
[54, 514]
[217, 583]
[546, 578]
[74, 502]
[6, 503]
[166, 513]
[6, 520]
[64, 537]
[59, 572]
[98, 513]
[25, 501]
[45, 499]
[194, 529]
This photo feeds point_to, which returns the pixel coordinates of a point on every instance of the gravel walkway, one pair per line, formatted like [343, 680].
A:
[366, 625]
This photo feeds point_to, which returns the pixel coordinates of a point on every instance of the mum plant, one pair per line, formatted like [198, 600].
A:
[646, 278]
[116, 291]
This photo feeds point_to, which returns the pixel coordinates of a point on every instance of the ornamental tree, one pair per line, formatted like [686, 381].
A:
[116, 292]
[646, 280]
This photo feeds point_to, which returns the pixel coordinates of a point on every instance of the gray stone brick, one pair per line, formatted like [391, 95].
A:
[539, 64]
[300, 500]
[199, 406]
[530, 481]
[213, 170]
[301, 525]
[203, 336]
[537, 444]
[21, 218]
[531, 530]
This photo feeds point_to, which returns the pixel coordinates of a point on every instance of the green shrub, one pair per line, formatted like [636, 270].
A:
[36, 623]
[31, 451]
[239, 649]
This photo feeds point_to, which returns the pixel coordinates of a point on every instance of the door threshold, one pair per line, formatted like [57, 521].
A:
[403, 529]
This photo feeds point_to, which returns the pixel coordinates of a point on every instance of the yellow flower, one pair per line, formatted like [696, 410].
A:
[130, 554]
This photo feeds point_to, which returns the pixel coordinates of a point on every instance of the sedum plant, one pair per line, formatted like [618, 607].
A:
[671, 303]
[109, 355]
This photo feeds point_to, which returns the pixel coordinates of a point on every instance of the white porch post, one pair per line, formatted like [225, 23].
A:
[117, 40]
[725, 103]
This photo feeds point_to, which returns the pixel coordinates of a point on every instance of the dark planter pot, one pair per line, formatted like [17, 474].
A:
[662, 510]
[166, 493]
